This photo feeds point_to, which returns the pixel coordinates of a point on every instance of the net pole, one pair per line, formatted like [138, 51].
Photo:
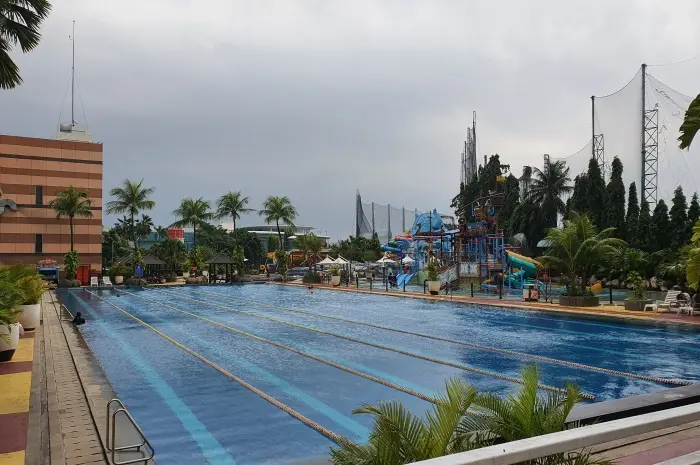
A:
[644, 106]
[373, 230]
[593, 126]
[388, 232]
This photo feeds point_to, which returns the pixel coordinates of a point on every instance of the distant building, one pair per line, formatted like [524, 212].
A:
[265, 231]
[32, 172]
[174, 232]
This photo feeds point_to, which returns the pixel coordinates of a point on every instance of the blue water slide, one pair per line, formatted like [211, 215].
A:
[402, 279]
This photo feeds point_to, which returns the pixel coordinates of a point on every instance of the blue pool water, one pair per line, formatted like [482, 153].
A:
[193, 413]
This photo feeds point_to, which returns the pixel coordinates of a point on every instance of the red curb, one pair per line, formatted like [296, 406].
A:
[15, 367]
[13, 432]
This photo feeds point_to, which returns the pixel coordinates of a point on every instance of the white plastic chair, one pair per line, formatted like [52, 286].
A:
[93, 281]
[671, 297]
[106, 281]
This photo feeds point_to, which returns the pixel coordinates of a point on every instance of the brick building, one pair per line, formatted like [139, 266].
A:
[32, 171]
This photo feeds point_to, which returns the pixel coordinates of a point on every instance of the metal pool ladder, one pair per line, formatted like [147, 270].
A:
[126, 442]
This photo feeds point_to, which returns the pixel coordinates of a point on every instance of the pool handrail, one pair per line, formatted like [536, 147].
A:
[112, 433]
[571, 440]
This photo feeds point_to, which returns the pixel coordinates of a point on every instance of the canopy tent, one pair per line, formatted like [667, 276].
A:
[327, 261]
[224, 260]
[340, 261]
[385, 260]
[407, 260]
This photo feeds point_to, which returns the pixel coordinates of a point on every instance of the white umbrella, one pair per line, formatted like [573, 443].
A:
[407, 260]
[327, 261]
[341, 261]
[385, 260]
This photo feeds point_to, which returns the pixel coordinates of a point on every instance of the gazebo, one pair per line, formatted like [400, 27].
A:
[152, 264]
[220, 259]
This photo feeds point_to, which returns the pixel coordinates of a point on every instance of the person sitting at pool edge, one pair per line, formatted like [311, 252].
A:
[78, 319]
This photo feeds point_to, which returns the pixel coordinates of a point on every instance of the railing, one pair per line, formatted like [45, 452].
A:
[148, 451]
[68, 312]
[571, 440]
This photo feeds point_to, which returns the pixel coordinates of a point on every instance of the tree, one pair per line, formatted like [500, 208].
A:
[615, 207]
[71, 202]
[232, 204]
[114, 245]
[276, 209]
[679, 219]
[528, 220]
[399, 437]
[644, 238]
[660, 228]
[693, 262]
[143, 227]
[19, 24]
[193, 212]
[578, 249]
[511, 200]
[310, 245]
[595, 199]
[131, 198]
[546, 189]
[487, 179]
[162, 232]
[172, 251]
[632, 218]
[578, 201]
[693, 213]
[691, 124]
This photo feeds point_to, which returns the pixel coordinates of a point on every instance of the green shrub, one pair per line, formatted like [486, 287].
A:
[335, 271]
[70, 261]
[637, 286]
[432, 270]
[33, 288]
[136, 282]
[69, 283]
[311, 278]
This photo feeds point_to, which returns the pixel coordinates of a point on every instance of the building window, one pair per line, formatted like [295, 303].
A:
[39, 190]
[38, 243]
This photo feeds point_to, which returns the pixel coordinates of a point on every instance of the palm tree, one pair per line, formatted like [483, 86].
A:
[193, 212]
[131, 198]
[232, 204]
[310, 245]
[276, 209]
[578, 247]
[71, 202]
[398, 437]
[162, 232]
[143, 227]
[19, 23]
[693, 262]
[691, 124]
[528, 414]
[546, 189]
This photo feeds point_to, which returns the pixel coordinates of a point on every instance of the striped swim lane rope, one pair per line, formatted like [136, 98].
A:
[340, 440]
[670, 382]
[383, 347]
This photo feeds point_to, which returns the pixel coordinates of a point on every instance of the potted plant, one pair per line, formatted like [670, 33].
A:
[433, 278]
[10, 297]
[32, 289]
[118, 272]
[636, 301]
[335, 276]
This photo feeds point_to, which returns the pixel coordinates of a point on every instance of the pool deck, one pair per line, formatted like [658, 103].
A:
[610, 311]
[53, 396]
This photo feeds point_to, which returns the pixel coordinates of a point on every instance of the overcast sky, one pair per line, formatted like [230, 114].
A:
[317, 99]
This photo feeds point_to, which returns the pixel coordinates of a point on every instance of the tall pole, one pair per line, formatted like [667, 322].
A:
[72, 83]
[644, 107]
[593, 126]
[388, 234]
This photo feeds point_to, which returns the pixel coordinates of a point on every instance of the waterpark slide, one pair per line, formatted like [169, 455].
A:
[527, 269]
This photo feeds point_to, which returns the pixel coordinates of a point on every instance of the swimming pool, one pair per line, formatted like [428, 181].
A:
[184, 361]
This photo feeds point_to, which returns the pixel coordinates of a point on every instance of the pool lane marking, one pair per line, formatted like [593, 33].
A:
[334, 415]
[383, 347]
[293, 413]
[390, 384]
[539, 358]
[208, 444]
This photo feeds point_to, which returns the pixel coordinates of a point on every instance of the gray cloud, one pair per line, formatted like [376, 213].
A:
[316, 99]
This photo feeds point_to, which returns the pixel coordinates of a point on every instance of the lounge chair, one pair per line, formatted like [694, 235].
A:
[671, 298]
[93, 281]
[106, 281]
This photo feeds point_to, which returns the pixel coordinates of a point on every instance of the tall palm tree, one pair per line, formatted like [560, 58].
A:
[193, 212]
[19, 24]
[131, 198]
[546, 189]
[71, 202]
[232, 204]
[143, 227]
[162, 232]
[691, 124]
[276, 209]
[578, 248]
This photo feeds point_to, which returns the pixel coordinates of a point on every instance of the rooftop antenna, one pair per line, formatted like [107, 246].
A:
[72, 81]
[73, 131]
